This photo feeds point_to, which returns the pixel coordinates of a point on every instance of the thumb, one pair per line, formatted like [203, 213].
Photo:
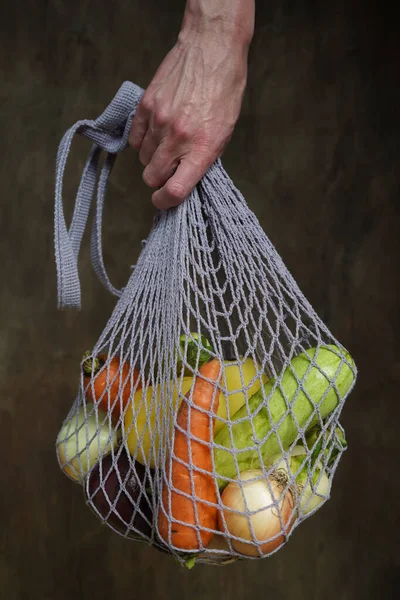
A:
[181, 184]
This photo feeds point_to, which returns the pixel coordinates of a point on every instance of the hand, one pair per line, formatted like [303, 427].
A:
[187, 114]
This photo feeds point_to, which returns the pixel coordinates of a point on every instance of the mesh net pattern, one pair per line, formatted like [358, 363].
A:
[207, 417]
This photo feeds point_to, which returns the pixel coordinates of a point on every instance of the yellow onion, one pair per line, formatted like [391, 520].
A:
[269, 512]
[313, 484]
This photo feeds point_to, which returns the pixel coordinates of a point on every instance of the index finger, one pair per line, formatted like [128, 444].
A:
[182, 182]
[139, 127]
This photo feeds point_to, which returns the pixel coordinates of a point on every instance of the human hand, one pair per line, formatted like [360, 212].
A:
[187, 114]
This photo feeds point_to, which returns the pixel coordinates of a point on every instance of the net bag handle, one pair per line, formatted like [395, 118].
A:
[109, 134]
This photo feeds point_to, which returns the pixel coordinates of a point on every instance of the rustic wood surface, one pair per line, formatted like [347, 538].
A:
[316, 152]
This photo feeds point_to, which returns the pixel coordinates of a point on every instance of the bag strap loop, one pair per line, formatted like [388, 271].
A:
[109, 133]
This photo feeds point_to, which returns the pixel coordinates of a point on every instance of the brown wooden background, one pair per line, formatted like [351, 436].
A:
[316, 153]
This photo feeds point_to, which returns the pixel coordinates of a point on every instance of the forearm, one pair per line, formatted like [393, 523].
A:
[232, 18]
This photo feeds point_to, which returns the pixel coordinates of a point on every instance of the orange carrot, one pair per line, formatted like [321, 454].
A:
[107, 382]
[186, 478]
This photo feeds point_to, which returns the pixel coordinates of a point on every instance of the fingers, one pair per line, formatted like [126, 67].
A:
[181, 184]
[175, 161]
[139, 127]
[162, 166]
[148, 148]
[147, 130]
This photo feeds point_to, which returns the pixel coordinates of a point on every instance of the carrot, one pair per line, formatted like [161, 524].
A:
[103, 383]
[186, 477]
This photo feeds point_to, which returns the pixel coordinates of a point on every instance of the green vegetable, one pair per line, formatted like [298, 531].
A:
[190, 562]
[253, 436]
[335, 443]
[196, 350]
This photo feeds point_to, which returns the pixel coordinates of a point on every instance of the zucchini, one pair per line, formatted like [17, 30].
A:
[290, 408]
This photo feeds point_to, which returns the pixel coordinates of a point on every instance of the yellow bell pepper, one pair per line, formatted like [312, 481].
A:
[142, 430]
[236, 392]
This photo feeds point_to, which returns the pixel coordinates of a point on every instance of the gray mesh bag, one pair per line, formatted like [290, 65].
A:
[206, 421]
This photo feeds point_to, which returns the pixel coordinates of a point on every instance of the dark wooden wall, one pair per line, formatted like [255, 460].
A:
[316, 153]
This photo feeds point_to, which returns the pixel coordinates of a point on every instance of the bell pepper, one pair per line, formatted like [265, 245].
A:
[235, 397]
[149, 412]
[147, 415]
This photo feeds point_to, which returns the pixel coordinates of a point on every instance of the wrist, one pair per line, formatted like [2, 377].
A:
[231, 19]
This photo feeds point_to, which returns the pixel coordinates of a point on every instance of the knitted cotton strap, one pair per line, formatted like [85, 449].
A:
[110, 134]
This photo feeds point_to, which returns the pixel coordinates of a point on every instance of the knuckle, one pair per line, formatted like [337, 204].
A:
[149, 178]
[181, 131]
[134, 141]
[160, 118]
[177, 191]
[143, 158]
[147, 103]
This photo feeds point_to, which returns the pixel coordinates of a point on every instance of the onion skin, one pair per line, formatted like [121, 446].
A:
[77, 454]
[310, 497]
[266, 523]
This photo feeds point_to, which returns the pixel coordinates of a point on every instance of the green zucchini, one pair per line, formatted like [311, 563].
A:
[254, 436]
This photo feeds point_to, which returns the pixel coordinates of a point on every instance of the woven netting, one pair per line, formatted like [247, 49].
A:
[207, 417]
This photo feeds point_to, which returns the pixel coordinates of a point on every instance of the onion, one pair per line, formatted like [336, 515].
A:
[272, 521]
[82, 440]
[311, 494]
